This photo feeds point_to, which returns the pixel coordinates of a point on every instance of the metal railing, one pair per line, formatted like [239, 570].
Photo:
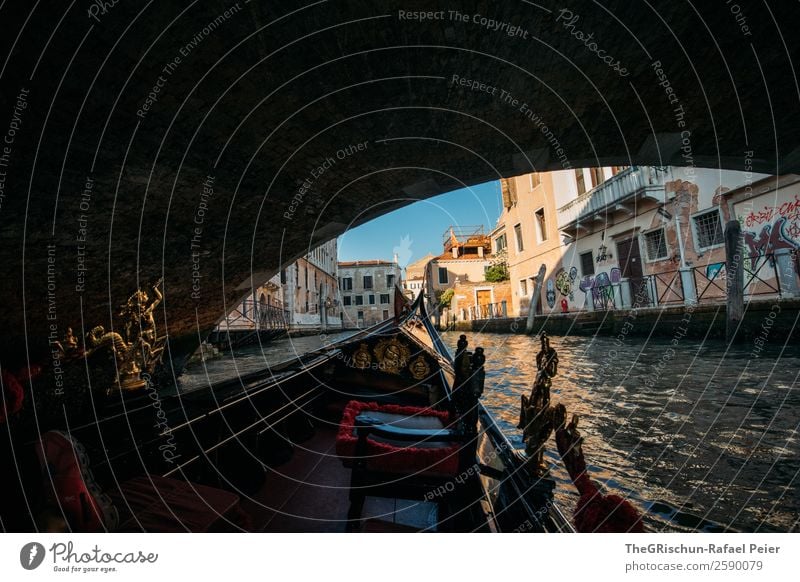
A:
[604, 298]
[667, 288]
[612, 191]
[486, 311]
[257, 316]
[709, 281]
[774, 273]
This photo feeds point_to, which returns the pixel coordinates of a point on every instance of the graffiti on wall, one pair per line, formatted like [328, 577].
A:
[790, 210]
[600, 287]
[715, 270]
[565, 282]
[777, 236]
[551, 294]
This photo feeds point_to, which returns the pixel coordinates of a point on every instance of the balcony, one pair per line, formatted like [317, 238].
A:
[617, 195]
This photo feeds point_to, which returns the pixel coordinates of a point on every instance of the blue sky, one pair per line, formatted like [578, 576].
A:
[418, 227]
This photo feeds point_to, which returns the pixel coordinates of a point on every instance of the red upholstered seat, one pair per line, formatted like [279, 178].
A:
[385, 455]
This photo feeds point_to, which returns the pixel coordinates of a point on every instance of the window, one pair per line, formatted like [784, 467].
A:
[535, 180]
[442, 275]
[389, 281]
[359, 300]
[283, 276]
[708, 229]
[523, 288]
[597, 176]
[384, 298]
[367, 281]
[656, 244]
[587, 263]
[371, 299]
[347, 283]
[541, 225]
[386, 314]
[347, 300]
[500, 243]
[360, 315]
[518, 236]
[580, 181]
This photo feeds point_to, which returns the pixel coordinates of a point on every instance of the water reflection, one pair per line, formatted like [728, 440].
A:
[699, 437]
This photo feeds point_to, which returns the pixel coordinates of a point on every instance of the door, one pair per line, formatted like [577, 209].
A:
[484, 299]
[630, 263]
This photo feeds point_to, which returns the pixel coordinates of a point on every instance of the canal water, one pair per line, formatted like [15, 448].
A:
[698, 437]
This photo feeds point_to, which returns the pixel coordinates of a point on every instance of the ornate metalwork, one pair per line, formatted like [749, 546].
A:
[138, 351]
[537, 417]
[362, 358]
[392, 355]
[469, 383]
[419, 368]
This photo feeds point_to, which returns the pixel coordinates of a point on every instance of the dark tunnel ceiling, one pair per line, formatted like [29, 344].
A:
[129, 111]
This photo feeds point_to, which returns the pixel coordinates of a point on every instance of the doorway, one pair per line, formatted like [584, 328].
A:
[630, 264]
[483, 298]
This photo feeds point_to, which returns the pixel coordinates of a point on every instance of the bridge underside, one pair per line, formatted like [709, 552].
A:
[211, 144]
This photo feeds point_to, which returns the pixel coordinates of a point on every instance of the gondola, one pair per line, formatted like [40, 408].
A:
[382, 431]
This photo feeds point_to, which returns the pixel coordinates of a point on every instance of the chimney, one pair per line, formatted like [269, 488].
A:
[480, 251]
[395, 258]
[454, 250]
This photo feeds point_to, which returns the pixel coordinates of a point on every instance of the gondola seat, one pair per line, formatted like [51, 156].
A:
[398, 439]
[396, 451]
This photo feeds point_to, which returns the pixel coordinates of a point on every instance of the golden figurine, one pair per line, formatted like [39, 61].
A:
[122, 353]
[70, 341]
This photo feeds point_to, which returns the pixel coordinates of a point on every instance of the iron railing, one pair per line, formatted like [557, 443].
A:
[487, 311]
[667, 288]
[612, 191]
[254, 315]
[603, 297]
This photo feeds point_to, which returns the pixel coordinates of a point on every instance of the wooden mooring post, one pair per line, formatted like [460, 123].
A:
[734, 268]
[535, 297]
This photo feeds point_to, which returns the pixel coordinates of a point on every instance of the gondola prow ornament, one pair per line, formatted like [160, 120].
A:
[537, 418]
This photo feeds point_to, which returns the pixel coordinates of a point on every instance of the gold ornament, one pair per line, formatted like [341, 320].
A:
[392, 355]
[361, 358]
[419, 368]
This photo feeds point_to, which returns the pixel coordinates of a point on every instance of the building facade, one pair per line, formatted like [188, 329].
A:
[414, 277]
[622, 237]
[465, 258]
[302, 296]
[310, 287]
[367, 291]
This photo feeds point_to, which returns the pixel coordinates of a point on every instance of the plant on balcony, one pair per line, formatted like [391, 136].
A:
[497, 272]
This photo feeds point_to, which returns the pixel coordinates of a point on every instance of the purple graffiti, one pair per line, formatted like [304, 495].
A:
[600, 287]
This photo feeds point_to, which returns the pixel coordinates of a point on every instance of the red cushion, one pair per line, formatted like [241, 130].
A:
[392, 458]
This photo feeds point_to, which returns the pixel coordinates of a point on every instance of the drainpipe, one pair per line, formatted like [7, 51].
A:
[681, 250]
[687, 281]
